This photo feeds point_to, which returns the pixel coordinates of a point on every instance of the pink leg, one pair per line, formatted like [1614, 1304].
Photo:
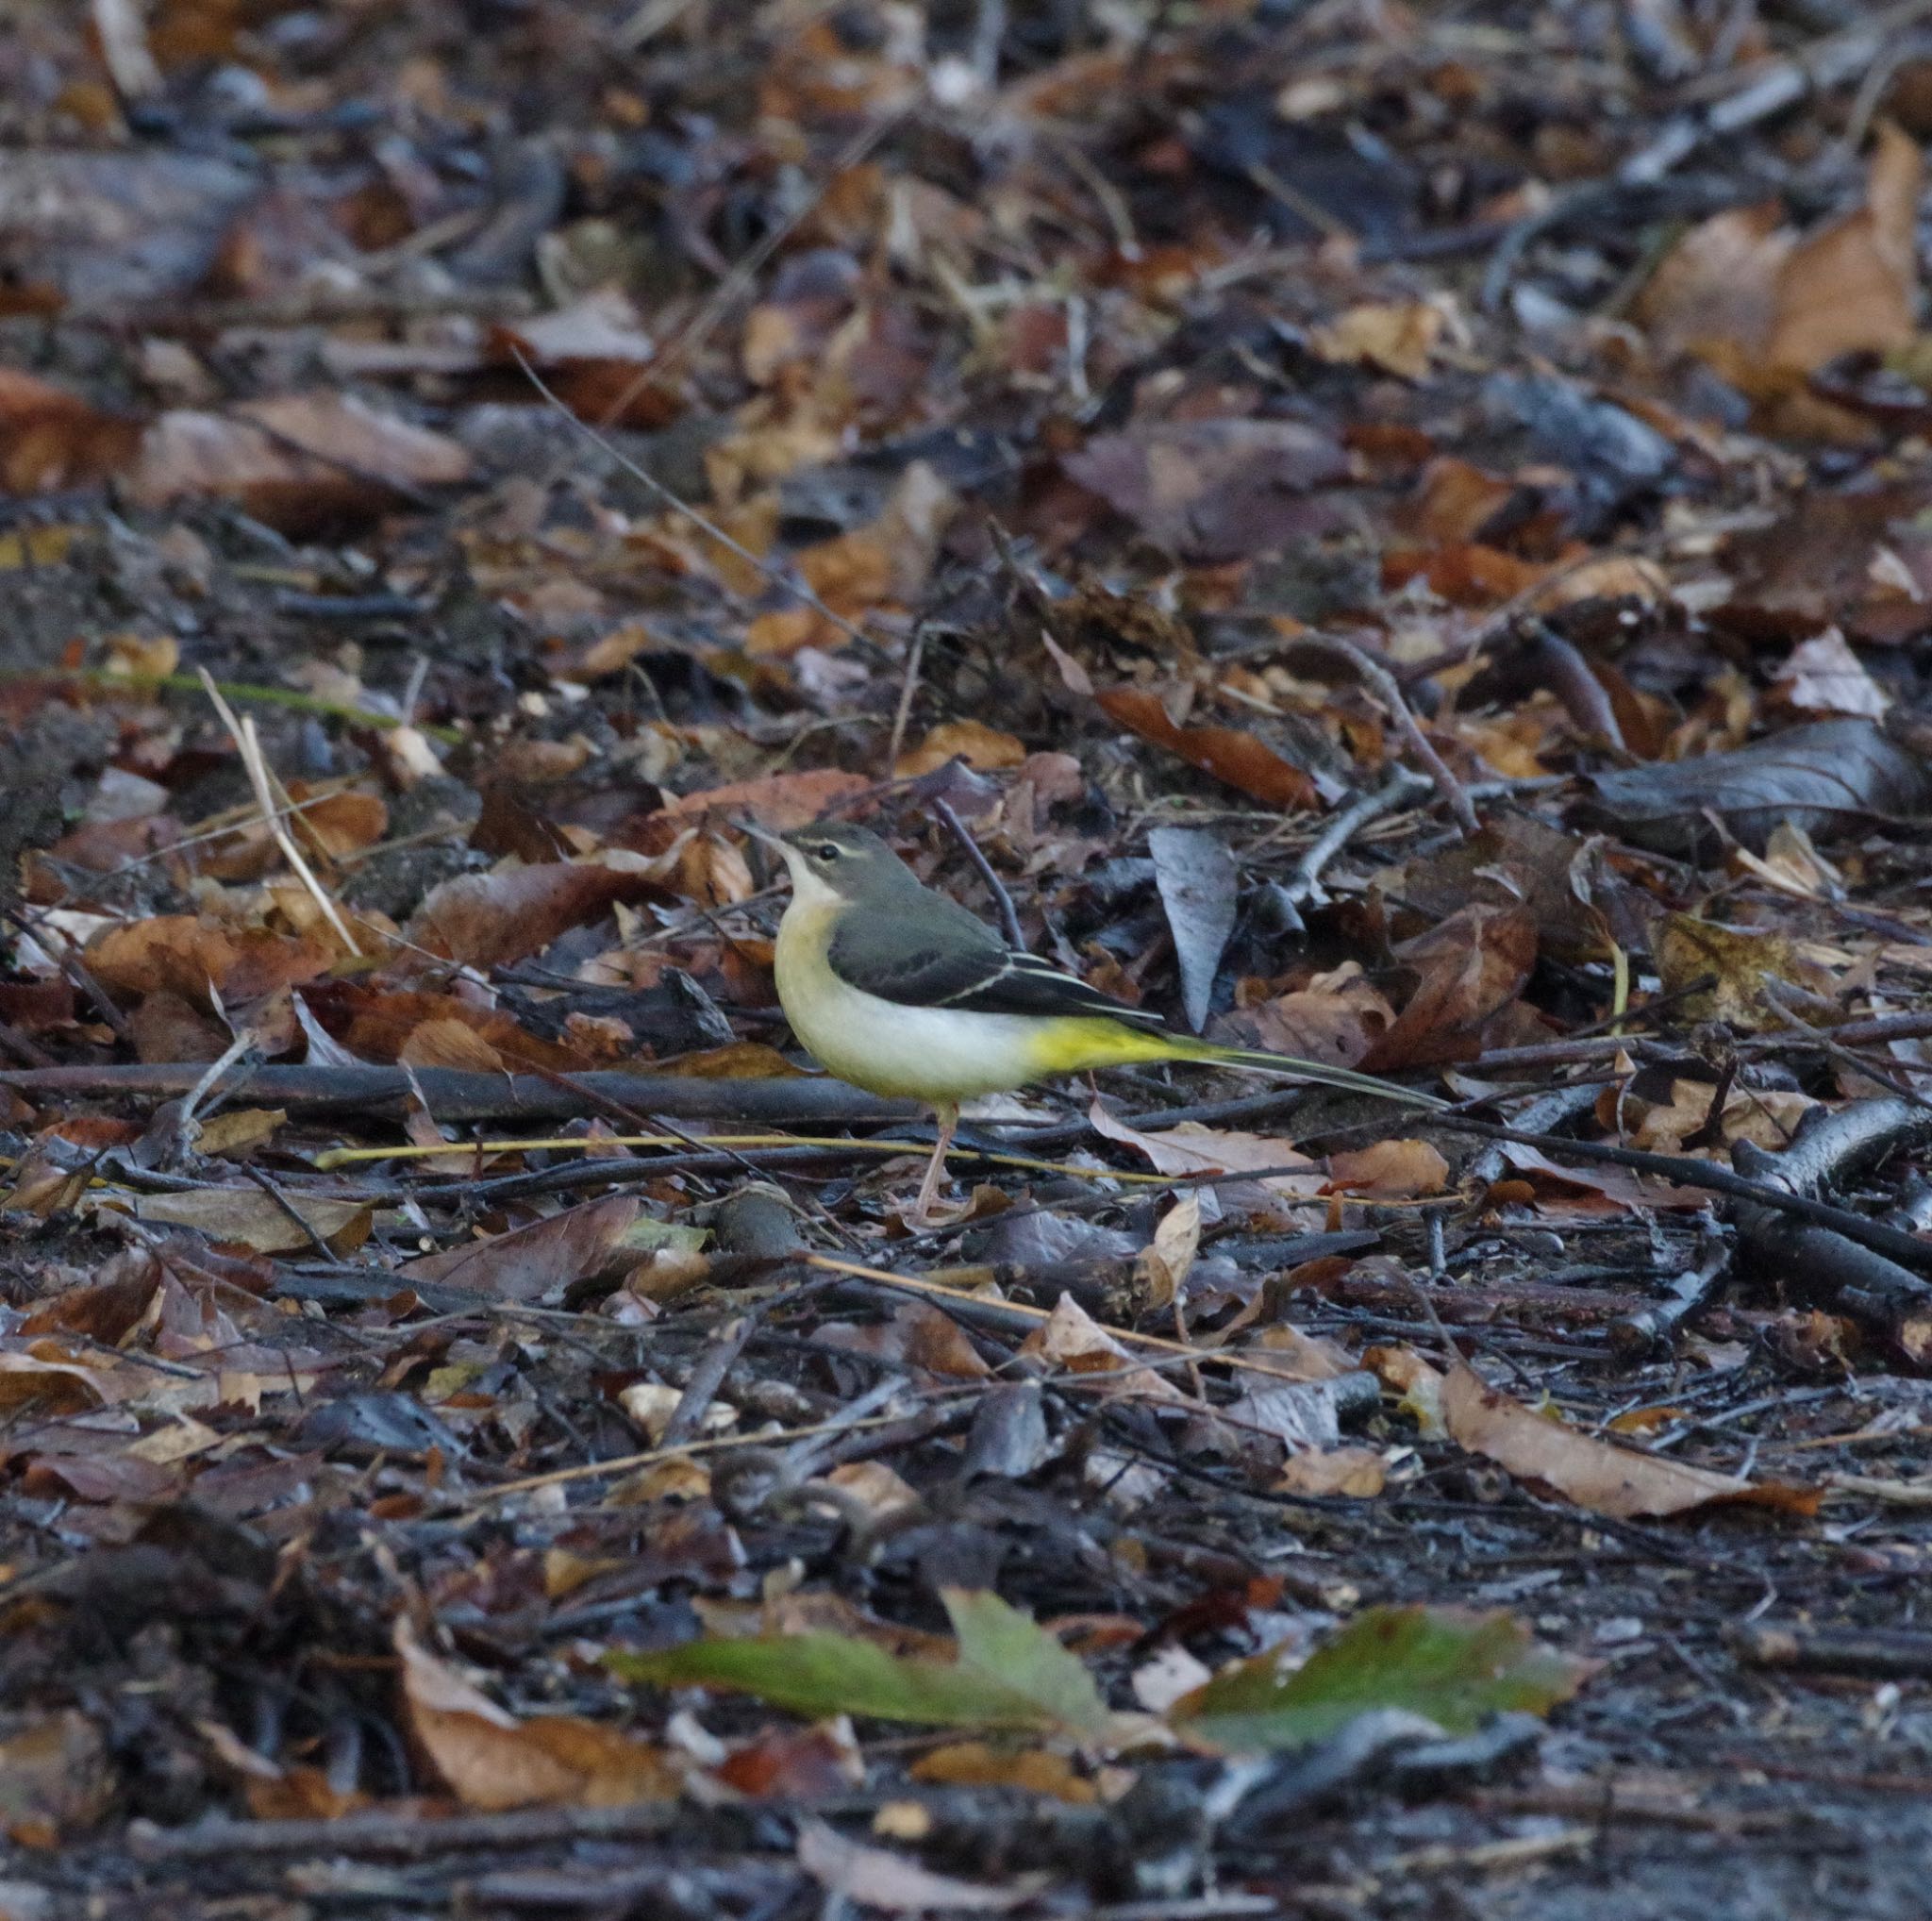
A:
[948, 1118]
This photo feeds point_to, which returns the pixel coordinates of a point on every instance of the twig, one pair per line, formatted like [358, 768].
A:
[1009, 919]
[908, 686]
[1686, 1171]
[1378, 679]
[294, 1214]
[707, 1378]
[1305, 882]
[457, 1093]
[258, 778]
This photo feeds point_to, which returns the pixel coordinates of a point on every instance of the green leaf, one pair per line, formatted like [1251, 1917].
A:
[1456, 1668]
[1012, 1650]
[1011, 1674]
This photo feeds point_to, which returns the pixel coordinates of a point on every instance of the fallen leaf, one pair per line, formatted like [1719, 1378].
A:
[1241, 759]
[253, 1218]
[1355, 1473]
[1198, 878]
[1210, 489]
[1390, 1170]
[294, 460]
[1452, 1667]
[1161, 1268]
[980, 746]
[193, 958]
[978, 1765]
[1829, 777]
[529, 1262]
[1193, 1149]
[492, 1760]
[1072, 1338]
[490, 920]
[1010, 1672]
[1757, 302]
[1617, 1482]
[1394, 339]
[1473, 965]
[1748, 971]
[54, 1772]
[1824, 675]
[780, 802]
[51, 438]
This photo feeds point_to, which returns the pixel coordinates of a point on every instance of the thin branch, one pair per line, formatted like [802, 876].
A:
[1009, 920]
[1380, 683]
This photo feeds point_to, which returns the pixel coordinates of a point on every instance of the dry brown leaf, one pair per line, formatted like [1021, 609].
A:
[449, 1043]
[333, 825]
[779, 802]
[491, 1762]
[1193, 1149]
[1244, 761]
[54, 1775]
[971, 741]
[52, 439]
[1824, 675]
[1472, 966]
[1617, 1482]
[1161, 1268]
[490, 920]
[978, 1765]
[1072, 1338]
[919, 1335]
[188, 955]
[294, 459]
[1750, 971]
[1360, 1473]
[237, 1130]
[529, 1262]
[1763, 305]
[46, 1380]
[1594, 1188]
[1390, 1170]
[875, 1878]
[1212, 490]
[1394, 339]
[251, 1218]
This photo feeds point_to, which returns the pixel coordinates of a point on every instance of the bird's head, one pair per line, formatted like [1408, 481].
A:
[840, 861]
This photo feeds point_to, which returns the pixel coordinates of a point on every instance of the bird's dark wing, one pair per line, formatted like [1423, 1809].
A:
[952, 959]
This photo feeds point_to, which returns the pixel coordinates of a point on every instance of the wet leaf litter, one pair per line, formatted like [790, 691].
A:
[1391, 538]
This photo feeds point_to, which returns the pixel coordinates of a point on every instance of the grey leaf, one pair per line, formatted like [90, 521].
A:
[1198, 878]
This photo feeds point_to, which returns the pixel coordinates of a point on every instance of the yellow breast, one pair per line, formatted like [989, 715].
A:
[942, 1055]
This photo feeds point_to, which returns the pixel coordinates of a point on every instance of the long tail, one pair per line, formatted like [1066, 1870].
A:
[1287, 1064]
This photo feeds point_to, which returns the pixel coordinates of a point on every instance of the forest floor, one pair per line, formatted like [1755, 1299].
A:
[1399, 534]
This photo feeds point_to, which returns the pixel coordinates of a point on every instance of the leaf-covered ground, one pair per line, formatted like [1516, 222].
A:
[1398, 535]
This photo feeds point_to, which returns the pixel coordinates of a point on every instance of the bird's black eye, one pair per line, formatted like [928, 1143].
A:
[826, 850]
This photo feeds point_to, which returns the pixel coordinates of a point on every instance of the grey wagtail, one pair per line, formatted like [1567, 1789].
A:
[904, 993]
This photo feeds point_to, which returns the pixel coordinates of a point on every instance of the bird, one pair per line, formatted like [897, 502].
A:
[903, 992]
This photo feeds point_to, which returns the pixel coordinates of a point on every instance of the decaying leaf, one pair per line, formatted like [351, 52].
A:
[492, 1761]
[1827, 778]
[1212, 489]
[527, 1263]
[1611, 1480]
